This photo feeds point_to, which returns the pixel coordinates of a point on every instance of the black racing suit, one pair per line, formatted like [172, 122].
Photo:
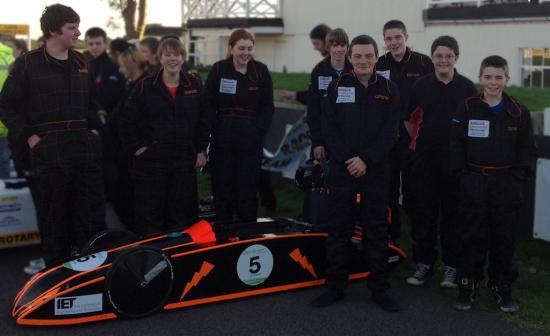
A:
[404, 73]
[242, 106]
[122, 196]
[433, 191]
[174, 131]
[492, 155]
[321, 76]
[109, 87]
[54, 99]
[363, 124]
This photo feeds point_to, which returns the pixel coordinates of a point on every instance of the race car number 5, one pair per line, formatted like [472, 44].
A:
[255, 265]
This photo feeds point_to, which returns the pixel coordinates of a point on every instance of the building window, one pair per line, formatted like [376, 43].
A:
[535, 67]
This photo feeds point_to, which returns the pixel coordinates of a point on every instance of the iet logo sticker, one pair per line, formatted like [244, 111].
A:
[78, 304]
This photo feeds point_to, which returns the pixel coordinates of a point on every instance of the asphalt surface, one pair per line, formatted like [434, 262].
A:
[424, 312]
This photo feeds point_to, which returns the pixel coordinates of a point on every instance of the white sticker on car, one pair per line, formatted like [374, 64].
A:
[70, 305]
[255, 265]
[478, 128]
[88, 262]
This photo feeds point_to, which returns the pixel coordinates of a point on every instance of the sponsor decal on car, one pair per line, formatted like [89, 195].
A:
[70, 305]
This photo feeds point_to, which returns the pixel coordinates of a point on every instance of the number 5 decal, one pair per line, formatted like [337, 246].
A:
[255, 265]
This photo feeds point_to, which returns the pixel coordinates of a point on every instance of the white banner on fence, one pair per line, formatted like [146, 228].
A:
[541, 229]
[293, 150]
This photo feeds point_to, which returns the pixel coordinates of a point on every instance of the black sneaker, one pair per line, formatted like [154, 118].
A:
[466, 294]
[329, 297]
[503, 296]
[385, 301]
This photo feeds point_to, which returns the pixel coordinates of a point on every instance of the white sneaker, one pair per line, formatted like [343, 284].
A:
[449, 277]
[35, 266]
[37, 263]
[32, 270]
[422, 273]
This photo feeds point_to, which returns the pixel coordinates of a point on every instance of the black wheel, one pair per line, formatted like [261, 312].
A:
[108, 239]
[139, 282]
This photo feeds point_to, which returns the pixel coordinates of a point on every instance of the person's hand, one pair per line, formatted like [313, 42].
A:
[201, 160]
[319, 153]
[27, 173]
[356, 167]
[289, 95]
[140, 151]
[33, 140]
[409, 127]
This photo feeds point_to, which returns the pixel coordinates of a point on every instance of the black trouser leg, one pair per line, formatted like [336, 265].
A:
[424, 213]
[182, 198]
[505, 201]
[150, 191]
[472, 225]
[375, 228]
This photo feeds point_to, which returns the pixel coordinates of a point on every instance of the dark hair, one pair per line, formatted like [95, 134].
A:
[118, 45]
[362, 40]
[96, 32]
[131, 53]
[337, 36]
[445, 41]
[394, 24]
[172, 44]
[152, 44]
[319, 32]
[236, 35]
[19, 44]
[172, 36]
[494, 61]
[55, 16]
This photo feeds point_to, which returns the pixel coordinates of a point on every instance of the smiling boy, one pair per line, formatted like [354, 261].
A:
[433, 102]
[492, 153]
[404, 67]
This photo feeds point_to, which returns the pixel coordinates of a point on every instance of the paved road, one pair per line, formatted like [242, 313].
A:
[425, 312]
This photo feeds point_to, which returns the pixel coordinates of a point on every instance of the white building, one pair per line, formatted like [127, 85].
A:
[515, 29]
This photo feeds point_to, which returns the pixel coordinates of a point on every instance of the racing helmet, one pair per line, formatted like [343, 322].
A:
[312, 174]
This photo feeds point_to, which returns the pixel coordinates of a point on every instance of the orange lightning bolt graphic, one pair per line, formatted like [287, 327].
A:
[197, 277]
[297, 256]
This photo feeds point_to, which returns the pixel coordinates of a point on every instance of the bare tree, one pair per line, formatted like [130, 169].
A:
[128, 10]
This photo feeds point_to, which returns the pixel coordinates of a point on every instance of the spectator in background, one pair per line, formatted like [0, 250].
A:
[148, 48]
[117, 46]
[132, 66]
[18, 46]
[317, 37]
[6, 59]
